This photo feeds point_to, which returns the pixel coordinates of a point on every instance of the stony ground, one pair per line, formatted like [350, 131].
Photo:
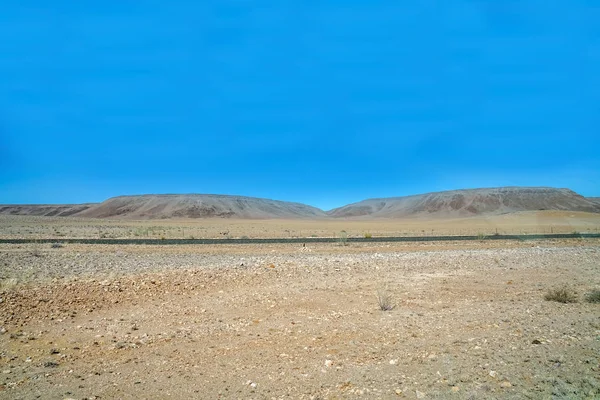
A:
[268, 322]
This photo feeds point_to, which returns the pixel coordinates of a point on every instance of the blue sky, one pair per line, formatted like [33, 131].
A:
[322, 102]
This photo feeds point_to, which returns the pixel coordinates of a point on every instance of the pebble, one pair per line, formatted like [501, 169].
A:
[328, 363]
[253, 385]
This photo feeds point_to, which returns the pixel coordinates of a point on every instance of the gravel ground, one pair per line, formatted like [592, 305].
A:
[469, 321]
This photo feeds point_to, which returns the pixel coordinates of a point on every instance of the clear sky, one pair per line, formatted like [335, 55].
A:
[323, 102]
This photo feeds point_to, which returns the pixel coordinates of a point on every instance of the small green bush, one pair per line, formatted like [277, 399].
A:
[561, 295]
[593, 296]
[368, 235]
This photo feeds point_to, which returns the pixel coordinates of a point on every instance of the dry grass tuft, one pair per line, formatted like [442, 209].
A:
[561, 295]
[385, 300]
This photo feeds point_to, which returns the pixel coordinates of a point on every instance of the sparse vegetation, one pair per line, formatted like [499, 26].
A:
[35, 250]
[385, 300]
[561, 295]
[56, 245]
[368, 235]
[593, 296]
[343, 238]
[481, 236]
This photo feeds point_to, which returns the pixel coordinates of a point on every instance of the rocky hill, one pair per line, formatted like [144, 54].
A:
[167, 206]
[45, 210]
[594, 199]
[468, 202]
[455, 203]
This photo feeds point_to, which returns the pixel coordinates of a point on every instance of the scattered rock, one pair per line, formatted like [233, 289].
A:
[50, 364]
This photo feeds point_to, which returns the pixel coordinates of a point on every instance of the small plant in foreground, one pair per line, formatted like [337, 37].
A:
[593, 296]
[561, 295]
[385, 301]
[343, 238]
[368, 235]
[35, 250]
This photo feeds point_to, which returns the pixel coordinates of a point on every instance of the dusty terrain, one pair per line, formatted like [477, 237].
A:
[15, 226]
[283, 321]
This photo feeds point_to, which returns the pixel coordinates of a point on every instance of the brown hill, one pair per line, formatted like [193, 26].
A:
[199, 206]
[468, 202]
[455, 203]
[45, 210]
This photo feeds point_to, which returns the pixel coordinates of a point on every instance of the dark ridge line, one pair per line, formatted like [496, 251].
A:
[305, 240]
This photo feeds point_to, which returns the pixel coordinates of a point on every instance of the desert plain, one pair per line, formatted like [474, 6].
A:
[468, 320]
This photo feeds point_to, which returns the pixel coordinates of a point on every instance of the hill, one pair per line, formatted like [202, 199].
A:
[454, 203]
[45, 210]
[469, 202]
[173, 206]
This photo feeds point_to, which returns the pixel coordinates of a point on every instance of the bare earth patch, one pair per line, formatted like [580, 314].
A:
[469, 321]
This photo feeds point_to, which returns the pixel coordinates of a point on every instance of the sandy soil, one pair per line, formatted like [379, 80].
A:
[283, 321]
[514, 223]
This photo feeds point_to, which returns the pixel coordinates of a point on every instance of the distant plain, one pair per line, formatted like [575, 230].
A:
[526, 222]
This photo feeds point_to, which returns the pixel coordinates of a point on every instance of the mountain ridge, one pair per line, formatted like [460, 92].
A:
[451, 203]
[469, 202]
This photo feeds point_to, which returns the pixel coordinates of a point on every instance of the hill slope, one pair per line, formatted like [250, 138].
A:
[468, 202]
[199, 206]
[45, 210]
[455, 203]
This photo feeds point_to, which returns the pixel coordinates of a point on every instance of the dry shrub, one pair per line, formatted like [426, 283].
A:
[385, 300]
[593, 296]
[561, 295]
